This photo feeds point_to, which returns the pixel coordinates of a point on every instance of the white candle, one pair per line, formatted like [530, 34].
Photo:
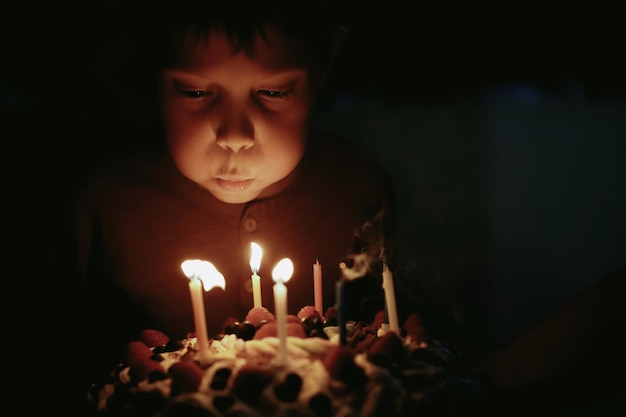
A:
[201, 273]
[390, 300]
[282, 273]
[199, 317]
[255, 263]
[317, 286]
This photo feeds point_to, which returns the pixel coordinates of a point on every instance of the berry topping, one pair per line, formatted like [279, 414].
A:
[292, 319]
[266, 330]
[414, 328]
[137, 351]
[146, 368]
[245, 330]
[153, 338]
[330, 318]
[308, 311]
[289, 389]
[296, 330]
[257, 315]
[220, 379]
[186, 377]
[340, 365]
[314, 326]
[379, 319]
[387, 351]
[249, 382]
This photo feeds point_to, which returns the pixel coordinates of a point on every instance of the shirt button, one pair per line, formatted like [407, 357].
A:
[250, 224]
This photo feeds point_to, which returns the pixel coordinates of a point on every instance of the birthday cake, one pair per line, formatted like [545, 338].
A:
[371, 371]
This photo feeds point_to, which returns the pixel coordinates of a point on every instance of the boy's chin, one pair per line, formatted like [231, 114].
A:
[230, 197]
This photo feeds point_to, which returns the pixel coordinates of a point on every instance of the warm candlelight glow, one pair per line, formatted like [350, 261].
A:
[255, 257]
[205, 271]
[201, 274]
[282, 273]
[255, 263]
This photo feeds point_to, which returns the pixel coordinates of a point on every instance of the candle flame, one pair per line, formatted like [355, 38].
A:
[283, 270]
[205, 272]
[255, 257]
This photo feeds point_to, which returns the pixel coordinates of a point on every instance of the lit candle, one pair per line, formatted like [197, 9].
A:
[255, 263]
[390, 300]
[201, 273]
[282, 273]
[317, 286]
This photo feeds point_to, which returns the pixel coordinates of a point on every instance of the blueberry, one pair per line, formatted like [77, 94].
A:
[245, 330]
[290, 388]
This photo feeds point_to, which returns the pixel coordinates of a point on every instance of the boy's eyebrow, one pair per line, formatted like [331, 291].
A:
[284, 76]
[288, 75]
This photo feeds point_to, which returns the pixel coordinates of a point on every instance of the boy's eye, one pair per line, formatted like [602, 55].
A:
[193, 94]
[275, 93]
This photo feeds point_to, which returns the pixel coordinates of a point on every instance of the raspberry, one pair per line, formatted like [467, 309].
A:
[387, 351]
[414, 328]
[250, 382]
[258, 315]
[153, 338]
[293, 319]
[144, 368]
[379, 319]
[340, 365]
[186, 377]
[266, 330]
[137, 351]
[308, 311]
[330, 317]
[296, 330]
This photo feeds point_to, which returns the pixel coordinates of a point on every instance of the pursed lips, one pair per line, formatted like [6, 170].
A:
[234, 184]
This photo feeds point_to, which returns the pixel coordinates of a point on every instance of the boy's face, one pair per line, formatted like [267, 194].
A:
[237, 126]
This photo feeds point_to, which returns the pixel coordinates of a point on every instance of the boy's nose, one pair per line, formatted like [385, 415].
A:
[235, 132]
[235, 142]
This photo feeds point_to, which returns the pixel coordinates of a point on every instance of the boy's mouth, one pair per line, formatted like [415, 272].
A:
[234, 185]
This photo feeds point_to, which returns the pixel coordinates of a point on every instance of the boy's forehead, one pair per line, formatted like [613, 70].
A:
[271, 49]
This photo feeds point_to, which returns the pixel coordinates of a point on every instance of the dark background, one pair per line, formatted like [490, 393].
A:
[503, 127]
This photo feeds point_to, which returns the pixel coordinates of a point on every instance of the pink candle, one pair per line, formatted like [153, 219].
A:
[255, 263]
[201, 273]
[282, 273]
[317, 286]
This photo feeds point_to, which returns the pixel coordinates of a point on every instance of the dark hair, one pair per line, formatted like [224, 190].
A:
[316, 25]
[140, 38]
[147, 35]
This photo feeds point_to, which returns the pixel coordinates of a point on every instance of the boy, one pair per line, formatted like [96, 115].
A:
[238, 163]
